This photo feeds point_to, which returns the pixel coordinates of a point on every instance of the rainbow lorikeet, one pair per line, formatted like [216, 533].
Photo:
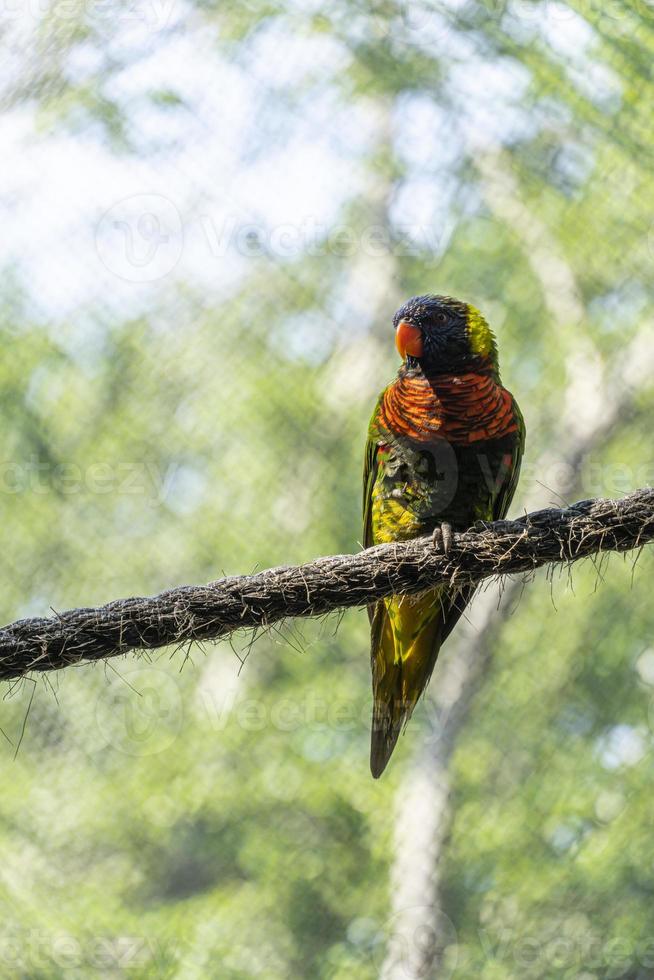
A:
[444, 448]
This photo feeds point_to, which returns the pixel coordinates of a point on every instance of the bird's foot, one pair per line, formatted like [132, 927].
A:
[442, 538]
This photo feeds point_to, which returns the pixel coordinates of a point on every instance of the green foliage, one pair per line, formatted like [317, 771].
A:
[195, 816]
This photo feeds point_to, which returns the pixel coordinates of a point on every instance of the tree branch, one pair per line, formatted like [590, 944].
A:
[208, 612]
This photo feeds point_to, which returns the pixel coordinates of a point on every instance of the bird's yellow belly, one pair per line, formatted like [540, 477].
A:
[393, 520]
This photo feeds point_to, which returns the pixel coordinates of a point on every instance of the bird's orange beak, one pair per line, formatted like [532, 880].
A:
[408, 340]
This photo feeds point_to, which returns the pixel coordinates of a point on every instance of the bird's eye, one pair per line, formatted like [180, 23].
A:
[442, 317]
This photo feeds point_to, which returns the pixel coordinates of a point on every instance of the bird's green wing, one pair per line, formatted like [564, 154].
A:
[505, 496]
[501, 506]
[370, 467]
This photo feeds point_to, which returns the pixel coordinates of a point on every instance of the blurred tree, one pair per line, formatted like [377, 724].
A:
[323, 165]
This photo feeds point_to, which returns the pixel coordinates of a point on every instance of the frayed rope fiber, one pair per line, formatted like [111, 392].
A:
[208, 612]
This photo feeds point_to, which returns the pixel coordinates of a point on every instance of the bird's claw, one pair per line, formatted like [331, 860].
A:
[442, 538]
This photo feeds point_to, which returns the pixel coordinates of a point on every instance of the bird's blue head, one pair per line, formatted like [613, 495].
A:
[440, 335]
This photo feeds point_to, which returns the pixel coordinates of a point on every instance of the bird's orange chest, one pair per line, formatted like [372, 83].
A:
[462, 409]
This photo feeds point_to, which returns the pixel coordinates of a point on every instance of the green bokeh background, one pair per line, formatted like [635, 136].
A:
[211, 212]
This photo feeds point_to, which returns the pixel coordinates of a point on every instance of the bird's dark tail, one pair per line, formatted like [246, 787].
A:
[383, 736]
[405, 640]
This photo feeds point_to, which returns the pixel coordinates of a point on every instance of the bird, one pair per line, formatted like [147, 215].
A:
[444, 448]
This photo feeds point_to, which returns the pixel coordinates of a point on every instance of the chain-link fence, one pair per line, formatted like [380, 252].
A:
[210, 214]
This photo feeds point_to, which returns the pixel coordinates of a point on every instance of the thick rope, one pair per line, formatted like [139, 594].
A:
[207, 612]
